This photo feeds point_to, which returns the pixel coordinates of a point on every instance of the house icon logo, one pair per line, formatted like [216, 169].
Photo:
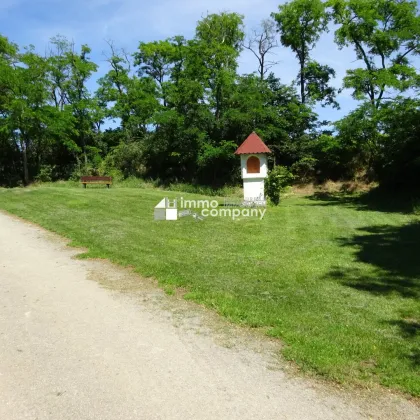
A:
[166, 210]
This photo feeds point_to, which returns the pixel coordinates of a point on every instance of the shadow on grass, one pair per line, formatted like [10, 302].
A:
[376, 200]
[393, 249]
[395, 252]
[415, 358]
[409, 329]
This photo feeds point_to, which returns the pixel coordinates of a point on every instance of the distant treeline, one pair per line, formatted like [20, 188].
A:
[181, 108]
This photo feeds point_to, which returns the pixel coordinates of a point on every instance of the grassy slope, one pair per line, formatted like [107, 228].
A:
[337, 282]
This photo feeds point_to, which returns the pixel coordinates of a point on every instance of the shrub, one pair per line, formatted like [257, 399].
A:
[304, 169]
[116, 174]
[126, 159]
[82, 169]
[45, 173]
[279, 178]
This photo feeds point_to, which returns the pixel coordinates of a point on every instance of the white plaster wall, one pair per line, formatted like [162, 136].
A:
[263, 166]
[254, 189]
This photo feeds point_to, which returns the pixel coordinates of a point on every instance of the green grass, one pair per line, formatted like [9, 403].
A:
[335, 279]
[132, 182]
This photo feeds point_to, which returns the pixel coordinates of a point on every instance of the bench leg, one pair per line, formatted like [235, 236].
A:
[107, 185]
[84, 185]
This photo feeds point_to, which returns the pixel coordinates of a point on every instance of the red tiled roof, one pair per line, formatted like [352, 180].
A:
[253, 144]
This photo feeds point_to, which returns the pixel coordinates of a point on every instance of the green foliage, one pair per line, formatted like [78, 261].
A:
[45, 173]
[398, 163]
[384, 34]
[225, 29]
[155, 59]
[304, 169]
[217, 162]
[360, 139]
[125, 160]
[277, 180]
[83, 169]
[301, 23]
[330, 162]
[317, 88]
[179, 107]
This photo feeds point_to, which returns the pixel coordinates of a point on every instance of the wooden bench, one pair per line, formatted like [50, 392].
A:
[105, 180]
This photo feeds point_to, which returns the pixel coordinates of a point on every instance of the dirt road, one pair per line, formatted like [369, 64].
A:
[74, 348]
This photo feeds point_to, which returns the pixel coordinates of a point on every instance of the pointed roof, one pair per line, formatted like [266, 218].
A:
[253, 144]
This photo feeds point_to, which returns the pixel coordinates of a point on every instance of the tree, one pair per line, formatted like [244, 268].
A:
[26, 117]
[10, 155]
[274, 111]
[59, 71]
[179, 107]
[59, 75]
[157, 60]
[300, 23]
[217, 45]
[85, 109]
[360, 141]
[125, 96]
[261, 42]
[384, 34]
[113, 86]
[398, 163]
[291, 129]
[8, 57]
[382, 143]
[317, 88]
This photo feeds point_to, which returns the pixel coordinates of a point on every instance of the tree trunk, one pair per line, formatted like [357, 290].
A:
[25, 164]
[262, 63]
[302, 83]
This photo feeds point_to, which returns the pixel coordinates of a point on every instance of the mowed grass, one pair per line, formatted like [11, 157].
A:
[338, 283]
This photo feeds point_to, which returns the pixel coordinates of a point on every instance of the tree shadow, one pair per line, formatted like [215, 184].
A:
[415, 358]
[375, 200]
[409, 329]
[393, 249]
[393, 254]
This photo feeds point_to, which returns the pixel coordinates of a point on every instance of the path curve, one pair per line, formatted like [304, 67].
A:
[71, 349]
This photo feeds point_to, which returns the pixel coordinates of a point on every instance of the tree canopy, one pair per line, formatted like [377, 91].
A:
[178, 107]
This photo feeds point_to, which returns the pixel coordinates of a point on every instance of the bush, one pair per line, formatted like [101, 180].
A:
[126, 159]
[83, 170]
[279, 178]
[115, 173]
[45, 173]
[304, 169]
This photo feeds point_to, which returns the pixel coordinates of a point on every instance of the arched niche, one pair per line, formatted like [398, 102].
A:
[253, 165]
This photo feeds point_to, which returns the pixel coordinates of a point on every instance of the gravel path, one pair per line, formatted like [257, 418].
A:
[73, 346]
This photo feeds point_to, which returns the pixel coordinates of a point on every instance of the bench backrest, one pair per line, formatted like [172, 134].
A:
[96, 179]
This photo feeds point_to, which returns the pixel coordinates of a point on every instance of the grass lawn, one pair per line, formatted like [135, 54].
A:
[337, 281]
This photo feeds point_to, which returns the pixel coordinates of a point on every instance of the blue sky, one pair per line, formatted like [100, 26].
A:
[126, 22]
